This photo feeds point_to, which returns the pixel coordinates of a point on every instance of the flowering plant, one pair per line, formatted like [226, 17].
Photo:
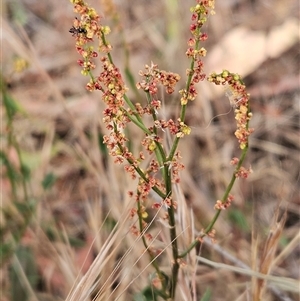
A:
[163, 168]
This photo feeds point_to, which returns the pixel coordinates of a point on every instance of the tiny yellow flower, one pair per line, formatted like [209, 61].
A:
[242, 145]
[144, 215]
[243, 109]
[20, 64]
[105, 30]
[152, 146]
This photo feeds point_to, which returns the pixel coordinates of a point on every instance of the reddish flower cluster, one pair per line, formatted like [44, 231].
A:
[188, 95]
[156, 206]
[195, 74]
[176, 166]
[145, 187]
[84, 30]
[109, 81]
[156, 282]
[223, 205]
[212, 235]
[167, 203]
[239, 98]
[243, 172]
[149, 142]
[134, 230]
[179, 128]
[153, 76]
[234, 161]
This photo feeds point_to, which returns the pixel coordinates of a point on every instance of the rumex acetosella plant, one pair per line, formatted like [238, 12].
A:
[163, 168]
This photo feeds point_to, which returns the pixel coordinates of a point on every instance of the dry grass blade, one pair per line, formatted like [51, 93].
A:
[268, 254]
[238, 263]
[284, 283]
[149, 264]
[117, 272]
[286, 251]
[136, 261]
[82, 290]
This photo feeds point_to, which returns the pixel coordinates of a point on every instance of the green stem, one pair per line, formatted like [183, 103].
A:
[173, 234]
[171, 211]
[135, 120]
[183, 107]
[152, 258]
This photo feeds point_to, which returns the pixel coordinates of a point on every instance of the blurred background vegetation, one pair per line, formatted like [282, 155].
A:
[61, 194]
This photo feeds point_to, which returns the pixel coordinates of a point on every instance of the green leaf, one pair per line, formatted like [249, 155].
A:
[6, 251]
[48, 181]
[11, 172]
[25, 170]
[26, 208]
[237, 217]
[10, 104]
[146, 295]
[130, 78]
[76, 242]
[27, 260]
[207, 295]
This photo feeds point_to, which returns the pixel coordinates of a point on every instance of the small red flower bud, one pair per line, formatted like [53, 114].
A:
[203, 37]
[193, 27]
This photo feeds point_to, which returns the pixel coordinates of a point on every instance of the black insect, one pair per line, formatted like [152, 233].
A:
[77, 31]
